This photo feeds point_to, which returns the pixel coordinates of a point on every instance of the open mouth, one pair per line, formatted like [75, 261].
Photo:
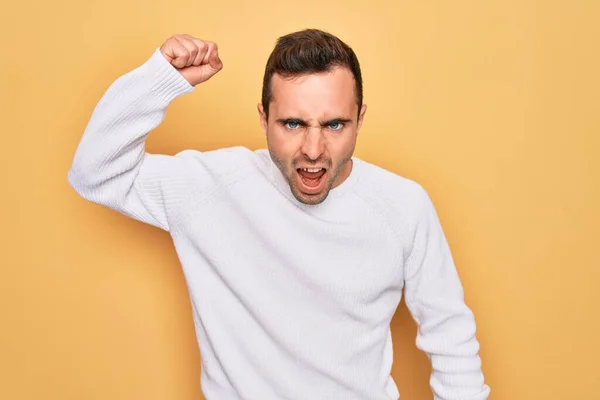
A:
[311, 179]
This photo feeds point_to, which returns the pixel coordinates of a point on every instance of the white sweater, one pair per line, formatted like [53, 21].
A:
[290, 301]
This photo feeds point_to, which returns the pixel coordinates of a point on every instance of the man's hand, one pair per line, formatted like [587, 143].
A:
[197, 60]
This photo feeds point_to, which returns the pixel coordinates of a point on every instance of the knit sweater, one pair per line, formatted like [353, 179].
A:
[290, 301]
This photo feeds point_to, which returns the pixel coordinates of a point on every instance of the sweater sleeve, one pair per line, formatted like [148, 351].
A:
[111, 166]
[446, 326]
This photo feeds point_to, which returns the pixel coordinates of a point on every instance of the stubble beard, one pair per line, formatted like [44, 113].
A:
[289, 173]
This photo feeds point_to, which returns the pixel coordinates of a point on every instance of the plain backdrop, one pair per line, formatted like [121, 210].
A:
[493, 106]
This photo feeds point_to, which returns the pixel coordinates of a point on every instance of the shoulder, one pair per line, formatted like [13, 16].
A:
[221, 162]
[400, 200]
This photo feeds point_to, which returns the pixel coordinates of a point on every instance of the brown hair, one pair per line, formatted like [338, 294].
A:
[309, 51]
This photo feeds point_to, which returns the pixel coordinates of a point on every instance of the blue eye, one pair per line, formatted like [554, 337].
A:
[292, 124]
[336, 126]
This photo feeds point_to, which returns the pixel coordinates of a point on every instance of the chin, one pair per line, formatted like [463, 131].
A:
[311, 200]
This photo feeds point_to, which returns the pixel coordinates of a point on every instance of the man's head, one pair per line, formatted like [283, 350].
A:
[311, 111]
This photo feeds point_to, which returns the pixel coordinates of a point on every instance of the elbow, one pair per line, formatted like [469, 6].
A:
[87, 181]
[81, 181]
[98, 185]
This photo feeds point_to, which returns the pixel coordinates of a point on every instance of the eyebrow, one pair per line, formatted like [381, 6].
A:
[322, 123]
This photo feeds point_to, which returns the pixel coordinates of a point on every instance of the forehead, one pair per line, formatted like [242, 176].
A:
[314, 95]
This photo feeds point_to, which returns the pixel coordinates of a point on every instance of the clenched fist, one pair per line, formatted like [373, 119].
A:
[197, 60]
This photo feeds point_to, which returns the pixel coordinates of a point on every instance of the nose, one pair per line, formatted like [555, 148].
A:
[313, 145]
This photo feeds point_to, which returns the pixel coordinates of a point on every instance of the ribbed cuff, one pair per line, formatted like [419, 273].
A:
[166, 81]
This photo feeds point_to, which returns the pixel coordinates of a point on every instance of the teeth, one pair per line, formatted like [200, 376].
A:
[312, 169]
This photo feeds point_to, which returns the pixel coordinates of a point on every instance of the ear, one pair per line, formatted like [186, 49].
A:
[361, 116]
[263, 118]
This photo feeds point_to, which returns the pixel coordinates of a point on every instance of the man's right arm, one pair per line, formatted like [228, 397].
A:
[111, 166]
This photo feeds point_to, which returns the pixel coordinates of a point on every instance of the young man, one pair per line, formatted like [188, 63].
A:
[296, 257]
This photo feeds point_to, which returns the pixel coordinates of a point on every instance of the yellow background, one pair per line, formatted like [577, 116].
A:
[492, 105]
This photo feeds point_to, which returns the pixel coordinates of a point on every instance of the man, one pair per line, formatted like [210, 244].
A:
[296, 257]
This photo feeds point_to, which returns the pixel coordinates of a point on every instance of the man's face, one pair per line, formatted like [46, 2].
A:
[311, 131]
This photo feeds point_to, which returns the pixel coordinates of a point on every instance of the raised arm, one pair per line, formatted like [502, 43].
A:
[111, 166]
[446, 326]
